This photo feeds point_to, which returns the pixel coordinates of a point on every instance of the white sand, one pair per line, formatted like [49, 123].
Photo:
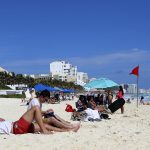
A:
[130, 131]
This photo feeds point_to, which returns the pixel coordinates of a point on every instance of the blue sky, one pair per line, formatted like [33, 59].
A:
[103, 38]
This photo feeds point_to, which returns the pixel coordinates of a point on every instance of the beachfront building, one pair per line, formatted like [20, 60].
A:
[39, 76]
[130, 88]
[64, 71]
[146, 91]
[18, 86]
[82, 78]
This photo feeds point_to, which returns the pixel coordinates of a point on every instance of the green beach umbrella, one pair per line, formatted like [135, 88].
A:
[101, 83]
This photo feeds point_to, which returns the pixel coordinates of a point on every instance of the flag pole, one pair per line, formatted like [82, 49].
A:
[135, 71]
[137, 90]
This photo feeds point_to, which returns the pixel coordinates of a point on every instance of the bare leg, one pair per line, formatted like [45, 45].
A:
[122, 109]
[35, 113]
[62, 120]
[49, 128]
[61, 125]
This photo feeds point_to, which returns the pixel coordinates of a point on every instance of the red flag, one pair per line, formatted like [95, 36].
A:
[135, 71]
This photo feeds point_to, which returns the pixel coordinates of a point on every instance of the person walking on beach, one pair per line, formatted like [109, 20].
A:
[142, 100]
[120, 95]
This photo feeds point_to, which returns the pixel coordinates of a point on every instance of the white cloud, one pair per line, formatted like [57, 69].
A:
[134, 55]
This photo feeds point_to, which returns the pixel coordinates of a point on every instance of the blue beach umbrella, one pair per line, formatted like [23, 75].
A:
[40, 87]
[51, 89]
[101, 83]
[59, 89]
[64, 90]
[68, 91]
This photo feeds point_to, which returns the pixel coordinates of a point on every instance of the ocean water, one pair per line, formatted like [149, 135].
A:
[134, 96]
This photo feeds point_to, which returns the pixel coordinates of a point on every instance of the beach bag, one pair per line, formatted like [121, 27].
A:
[69, 108]
[78, 116]
[104, 116]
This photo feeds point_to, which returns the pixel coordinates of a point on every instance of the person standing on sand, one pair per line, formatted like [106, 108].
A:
[110, 97]
[120, 95]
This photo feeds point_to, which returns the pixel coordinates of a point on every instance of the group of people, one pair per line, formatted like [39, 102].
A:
[95, 107]
[35, 120]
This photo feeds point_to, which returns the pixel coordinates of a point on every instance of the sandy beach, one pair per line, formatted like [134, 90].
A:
[130, 131]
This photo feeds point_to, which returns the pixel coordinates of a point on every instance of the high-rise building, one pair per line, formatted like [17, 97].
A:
[82, 78]
[39, 76]
[130, 88]
[63, 71]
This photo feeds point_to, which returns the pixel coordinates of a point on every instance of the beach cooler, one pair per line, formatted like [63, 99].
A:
[116, 105]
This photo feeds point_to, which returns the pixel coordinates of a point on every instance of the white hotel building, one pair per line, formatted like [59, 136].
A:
[65, 71]
[82, 78]
[130, 88]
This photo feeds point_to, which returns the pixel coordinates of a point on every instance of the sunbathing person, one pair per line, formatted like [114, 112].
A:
[89, 110]
[91, 104]
[24, 124]
[79, 105]
[57, 123]
[88, 114]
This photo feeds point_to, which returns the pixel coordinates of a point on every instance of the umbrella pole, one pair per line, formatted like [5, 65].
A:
[103, 97]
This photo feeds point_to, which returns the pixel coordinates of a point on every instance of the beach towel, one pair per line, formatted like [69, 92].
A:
[78, 116]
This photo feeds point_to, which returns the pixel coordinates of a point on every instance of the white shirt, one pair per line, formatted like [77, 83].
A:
[5, 127]
[34, 102]
[92, 114]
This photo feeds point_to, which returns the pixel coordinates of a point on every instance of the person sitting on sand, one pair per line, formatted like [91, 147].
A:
[55, 122]
[79, 105]
[109, 97]
[24, 124]
[90, 112]
[91, 104]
